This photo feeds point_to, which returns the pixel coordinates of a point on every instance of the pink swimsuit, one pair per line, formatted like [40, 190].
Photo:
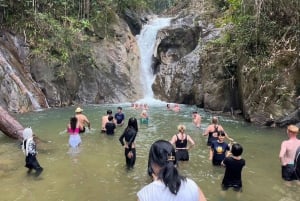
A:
[73, 132]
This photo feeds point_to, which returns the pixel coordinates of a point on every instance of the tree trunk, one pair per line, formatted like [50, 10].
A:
[10, 126]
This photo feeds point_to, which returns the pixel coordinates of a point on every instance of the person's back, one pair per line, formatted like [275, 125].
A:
[168, 184]
[105, 120]
[291, 146]
[73, 130]
[82, 120]
[233, 172]
[188, 191]
[110, 126]
[287, 154]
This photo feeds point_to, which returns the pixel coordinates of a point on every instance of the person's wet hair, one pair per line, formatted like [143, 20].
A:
[236, 149]
[110, 118]
[162, 154]
[108, 112]
[132, 122]
[73, 123]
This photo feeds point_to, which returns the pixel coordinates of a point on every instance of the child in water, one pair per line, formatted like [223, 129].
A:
[110, 126]
[29, 149]
[219, 149]
[234, 165]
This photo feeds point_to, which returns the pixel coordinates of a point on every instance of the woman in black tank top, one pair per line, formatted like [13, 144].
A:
[180, 141]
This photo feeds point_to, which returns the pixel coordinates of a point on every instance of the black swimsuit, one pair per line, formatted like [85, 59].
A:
[181, 154]
[211, 138]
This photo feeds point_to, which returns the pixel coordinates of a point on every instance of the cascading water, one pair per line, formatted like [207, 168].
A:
[35, 104]
[146, 42]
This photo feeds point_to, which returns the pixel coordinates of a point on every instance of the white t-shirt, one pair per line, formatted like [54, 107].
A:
[158, 191]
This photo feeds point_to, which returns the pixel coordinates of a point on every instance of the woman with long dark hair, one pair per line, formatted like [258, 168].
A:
[129, 134]
[73, 130]
[167, 183]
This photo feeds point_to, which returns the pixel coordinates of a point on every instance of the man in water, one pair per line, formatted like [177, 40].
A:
[197, 119]
[176, 108]
[105, 120]
[119, 117]
[287, 153]
[82, 120]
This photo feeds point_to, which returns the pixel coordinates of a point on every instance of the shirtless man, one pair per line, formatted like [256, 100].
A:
[176, 108]
[287, 153]
[105, 120]
[197, 119]
[82, 120]
[212, 131]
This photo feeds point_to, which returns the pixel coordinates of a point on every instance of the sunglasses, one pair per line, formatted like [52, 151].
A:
[221, 134]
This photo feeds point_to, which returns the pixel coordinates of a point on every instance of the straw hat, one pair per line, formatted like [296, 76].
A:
[293, 129]
[78, 110]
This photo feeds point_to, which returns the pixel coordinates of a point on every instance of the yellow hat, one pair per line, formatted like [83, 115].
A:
[293, 129]
[78, 110]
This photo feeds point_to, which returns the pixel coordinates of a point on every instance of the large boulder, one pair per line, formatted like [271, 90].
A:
[106, 74]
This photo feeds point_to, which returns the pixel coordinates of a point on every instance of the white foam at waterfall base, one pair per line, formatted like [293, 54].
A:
[146, 42]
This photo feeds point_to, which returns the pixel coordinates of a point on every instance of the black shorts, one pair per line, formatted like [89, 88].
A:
[182, 155]
[288, 172]
[31, 162]
[216, 162]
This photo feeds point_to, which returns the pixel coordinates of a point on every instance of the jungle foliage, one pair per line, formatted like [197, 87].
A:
[59, 29]
[264, 37]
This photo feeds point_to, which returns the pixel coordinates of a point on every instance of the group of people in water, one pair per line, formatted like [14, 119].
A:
[164, 155]
[177, 149]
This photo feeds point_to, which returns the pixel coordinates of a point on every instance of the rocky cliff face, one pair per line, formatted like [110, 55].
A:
[189, 69]
[192, 69]
[108, 73]
[19, 92]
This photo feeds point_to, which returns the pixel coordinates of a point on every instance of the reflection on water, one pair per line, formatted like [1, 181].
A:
[96, 171]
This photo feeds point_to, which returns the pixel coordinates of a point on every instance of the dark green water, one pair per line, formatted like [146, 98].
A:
[98, 172]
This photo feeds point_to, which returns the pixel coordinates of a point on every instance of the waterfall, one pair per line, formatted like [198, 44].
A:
[18, 81]
[36, 106]
[146, 42]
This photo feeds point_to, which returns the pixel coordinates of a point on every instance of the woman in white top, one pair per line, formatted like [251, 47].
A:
[167, 183]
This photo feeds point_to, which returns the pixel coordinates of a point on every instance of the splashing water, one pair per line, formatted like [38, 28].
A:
[146, 42]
